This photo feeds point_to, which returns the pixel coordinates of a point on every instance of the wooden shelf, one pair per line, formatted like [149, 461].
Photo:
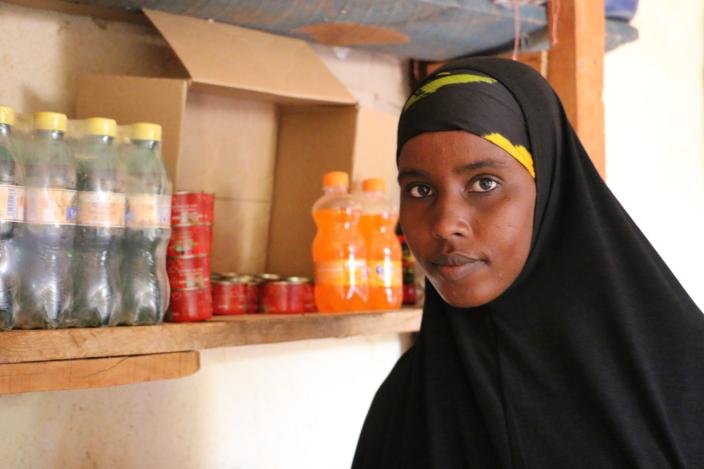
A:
[95, 372]
[45, 360]
[222, 331]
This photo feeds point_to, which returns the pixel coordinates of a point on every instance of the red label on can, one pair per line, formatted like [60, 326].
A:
[297, 298]
[192, 208]
[188, 272]
[309, 298]
[189, 241]
[274, 298]
[234, 298]
[208, 206]
[409, 294]
[190, 305]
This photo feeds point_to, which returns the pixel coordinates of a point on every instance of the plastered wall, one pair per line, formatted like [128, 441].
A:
[654, 112]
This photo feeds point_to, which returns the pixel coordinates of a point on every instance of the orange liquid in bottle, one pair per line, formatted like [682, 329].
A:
[383, 260]
[377, 224]
[339, 252]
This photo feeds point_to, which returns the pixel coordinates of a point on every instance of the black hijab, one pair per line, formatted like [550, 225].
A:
[593, 358]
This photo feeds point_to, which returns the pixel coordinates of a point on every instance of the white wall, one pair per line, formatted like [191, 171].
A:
[654, 100]
[296, 405]
[283, 406]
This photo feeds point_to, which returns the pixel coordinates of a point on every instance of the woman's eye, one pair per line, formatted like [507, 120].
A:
[419, 191]
[484, 185]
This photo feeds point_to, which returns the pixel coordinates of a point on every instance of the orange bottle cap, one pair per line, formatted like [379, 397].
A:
[336, 178]
[374, 184]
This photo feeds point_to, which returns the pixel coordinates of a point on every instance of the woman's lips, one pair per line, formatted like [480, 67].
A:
[455, 266]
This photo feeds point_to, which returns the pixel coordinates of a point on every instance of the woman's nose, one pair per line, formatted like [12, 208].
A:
[450, 218]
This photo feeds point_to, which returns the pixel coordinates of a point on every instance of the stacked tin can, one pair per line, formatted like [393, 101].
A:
[264, 293]
[188, 261]
[235, 293]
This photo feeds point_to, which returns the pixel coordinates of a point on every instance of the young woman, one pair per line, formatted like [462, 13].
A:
[553, 335]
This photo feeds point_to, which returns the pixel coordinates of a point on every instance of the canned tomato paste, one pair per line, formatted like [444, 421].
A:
[235, 295]
[300, 295]
[274, 297]
[207, 207]
[188, 272]
[192, 208]
[190, 305]
[189, 241]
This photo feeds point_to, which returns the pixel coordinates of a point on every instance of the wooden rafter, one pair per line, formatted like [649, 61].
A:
[576, 69]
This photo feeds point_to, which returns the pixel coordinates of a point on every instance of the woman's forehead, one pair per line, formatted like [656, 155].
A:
[452, 152]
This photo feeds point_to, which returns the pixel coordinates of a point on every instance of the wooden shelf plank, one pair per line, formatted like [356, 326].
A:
[223, 331]
[95, 372]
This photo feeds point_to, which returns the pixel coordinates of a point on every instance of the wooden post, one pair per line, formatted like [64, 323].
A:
[576, 69]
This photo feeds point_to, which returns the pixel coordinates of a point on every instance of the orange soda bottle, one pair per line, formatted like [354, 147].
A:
[339, 254]
[378, 226]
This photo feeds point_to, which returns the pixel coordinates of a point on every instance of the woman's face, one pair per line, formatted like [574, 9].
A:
[467, 214]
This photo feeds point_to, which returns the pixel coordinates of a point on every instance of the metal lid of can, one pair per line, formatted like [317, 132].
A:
[241, 280]
[228, 274]
[299, 280]
[252, 279]
[268, 277]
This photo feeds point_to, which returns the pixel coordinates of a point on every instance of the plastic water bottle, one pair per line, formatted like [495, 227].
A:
[46, 239]
[339, 254]
[99, 228]
[11, 213]
[378, 225]
[145, 284]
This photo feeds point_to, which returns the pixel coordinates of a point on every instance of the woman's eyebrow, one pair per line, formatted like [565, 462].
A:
[479, 165]
[412, 173]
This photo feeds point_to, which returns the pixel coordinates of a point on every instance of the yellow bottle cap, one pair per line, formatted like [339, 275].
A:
[50, 121]
[336, 178]
[101, 126]
[146, 131]
[374, 184]
[7, 115]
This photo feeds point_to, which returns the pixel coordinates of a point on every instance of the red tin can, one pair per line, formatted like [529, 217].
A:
[188, 272]
[189, 241]
[300, 295]
[207, 203]
[190, 305]
[235, 295]
[192, 208]
[265, 278]
[274, 297]
[186, 208]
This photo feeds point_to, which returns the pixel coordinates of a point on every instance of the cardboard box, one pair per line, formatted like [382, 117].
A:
[257, 119]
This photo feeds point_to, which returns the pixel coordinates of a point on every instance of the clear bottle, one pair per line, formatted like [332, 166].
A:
[46, 239]
[339, 254]
[145, 284]
[100, 227]
[11, 216]
[378, 224]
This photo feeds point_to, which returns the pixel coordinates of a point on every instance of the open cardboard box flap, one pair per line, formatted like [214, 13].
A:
[225, 58]
[257, 120]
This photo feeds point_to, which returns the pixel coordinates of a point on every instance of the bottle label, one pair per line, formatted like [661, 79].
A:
[50, 206]
[104, 209]
[148, 211]
[11, 203]
[385, 273]
[341, 273]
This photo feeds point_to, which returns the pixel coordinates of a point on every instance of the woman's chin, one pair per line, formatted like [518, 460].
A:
[460, 296]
